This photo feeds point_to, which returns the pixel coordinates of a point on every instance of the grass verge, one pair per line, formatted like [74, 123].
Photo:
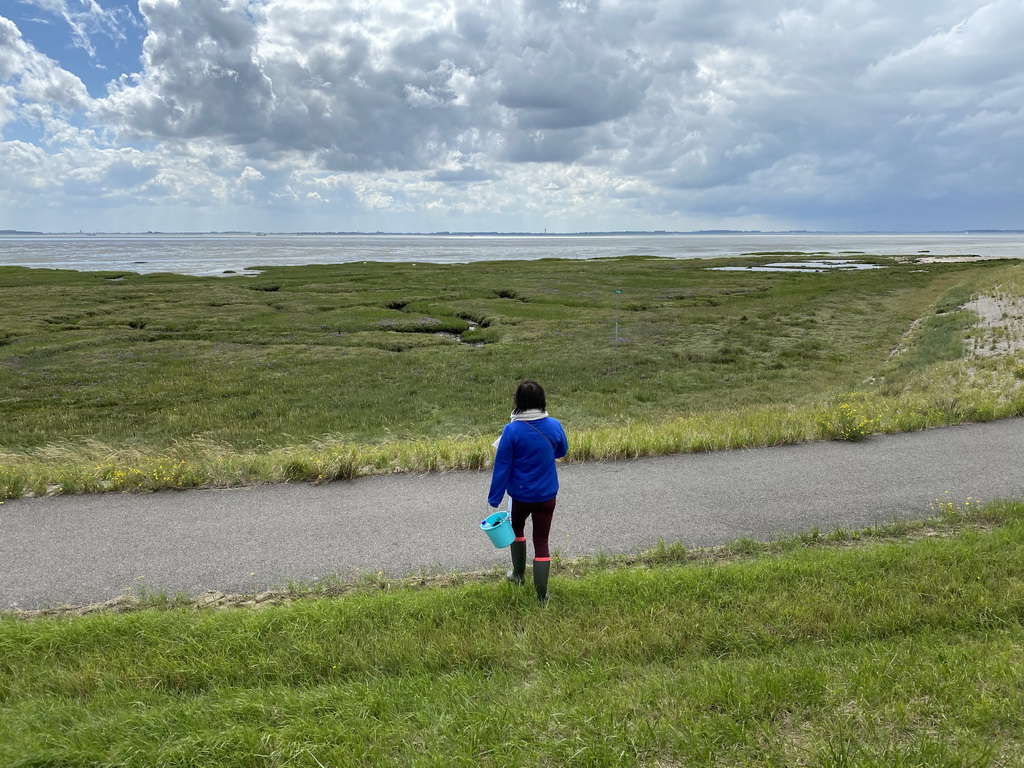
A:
[897, 646]
[90, 466]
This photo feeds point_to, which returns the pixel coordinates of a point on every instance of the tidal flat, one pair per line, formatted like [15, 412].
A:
[118, 380]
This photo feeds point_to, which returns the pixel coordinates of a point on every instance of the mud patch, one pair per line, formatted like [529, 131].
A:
[457, 337]
[824, 265]
[965, 259]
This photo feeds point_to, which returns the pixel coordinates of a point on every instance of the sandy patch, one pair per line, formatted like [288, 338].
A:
[954, 259]
[1001, 327]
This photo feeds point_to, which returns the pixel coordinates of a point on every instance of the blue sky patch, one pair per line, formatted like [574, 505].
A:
[97, 49]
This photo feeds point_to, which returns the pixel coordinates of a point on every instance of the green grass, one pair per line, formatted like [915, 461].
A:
[879, 647]
[133, 382]
[352, 351]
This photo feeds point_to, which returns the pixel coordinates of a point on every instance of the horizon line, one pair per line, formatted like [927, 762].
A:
[497, 233]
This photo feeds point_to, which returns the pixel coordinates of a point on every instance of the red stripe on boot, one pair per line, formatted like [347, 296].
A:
[520, 538]
[542, 559]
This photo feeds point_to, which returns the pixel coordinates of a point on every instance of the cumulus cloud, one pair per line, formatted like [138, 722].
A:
[983, 47]
[397, 88]
[813, 114]
[559, 79]
[201, 76]
[36, 78]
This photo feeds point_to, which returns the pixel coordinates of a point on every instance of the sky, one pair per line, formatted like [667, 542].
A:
[511, 115]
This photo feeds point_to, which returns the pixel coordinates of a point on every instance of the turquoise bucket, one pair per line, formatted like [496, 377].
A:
[498, 528]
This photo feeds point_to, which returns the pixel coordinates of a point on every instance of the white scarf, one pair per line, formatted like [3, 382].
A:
[534, 414]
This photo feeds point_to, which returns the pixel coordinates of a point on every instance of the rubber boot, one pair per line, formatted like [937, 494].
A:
[541, 570]
[518, 551]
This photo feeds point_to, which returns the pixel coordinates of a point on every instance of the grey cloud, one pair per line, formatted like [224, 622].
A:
[323, 85]
[570, 74]
[955, 101]
[118, 177]
[562, 146]
[425, 53]
[559, 88]
[687, 22]
[208, 75]
[473, 27]
[203, 77]
[983, 48]
[464, 175]
[795, 99]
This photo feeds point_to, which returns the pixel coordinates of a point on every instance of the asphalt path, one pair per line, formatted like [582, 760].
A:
[77, 550]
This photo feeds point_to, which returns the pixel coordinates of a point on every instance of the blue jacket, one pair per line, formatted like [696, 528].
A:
[525, 464]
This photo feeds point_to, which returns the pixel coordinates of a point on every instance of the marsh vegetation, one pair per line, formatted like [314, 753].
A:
[126, 381]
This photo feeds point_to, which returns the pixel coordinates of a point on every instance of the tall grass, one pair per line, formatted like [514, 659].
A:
[92, 466]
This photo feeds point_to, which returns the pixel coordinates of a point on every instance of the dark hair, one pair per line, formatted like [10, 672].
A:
[529, 396]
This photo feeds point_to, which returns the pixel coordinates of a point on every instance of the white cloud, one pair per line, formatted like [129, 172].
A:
[201, 76]
[35, 77]
[25, 167]
[250, 174]
[8, 105]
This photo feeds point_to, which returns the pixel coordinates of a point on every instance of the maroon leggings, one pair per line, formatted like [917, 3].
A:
[542, 512]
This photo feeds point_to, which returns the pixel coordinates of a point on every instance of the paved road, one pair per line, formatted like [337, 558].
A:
[83, 549]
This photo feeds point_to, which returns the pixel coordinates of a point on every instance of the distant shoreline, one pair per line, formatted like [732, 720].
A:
[214, 254]
[609, 233]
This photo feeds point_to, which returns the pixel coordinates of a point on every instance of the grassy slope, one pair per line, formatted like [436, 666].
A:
[895, 651]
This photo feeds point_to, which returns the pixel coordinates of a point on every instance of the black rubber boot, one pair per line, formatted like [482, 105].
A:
[541, 570]
[518, 551]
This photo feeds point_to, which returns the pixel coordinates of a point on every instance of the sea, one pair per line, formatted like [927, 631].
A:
[224, 254]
